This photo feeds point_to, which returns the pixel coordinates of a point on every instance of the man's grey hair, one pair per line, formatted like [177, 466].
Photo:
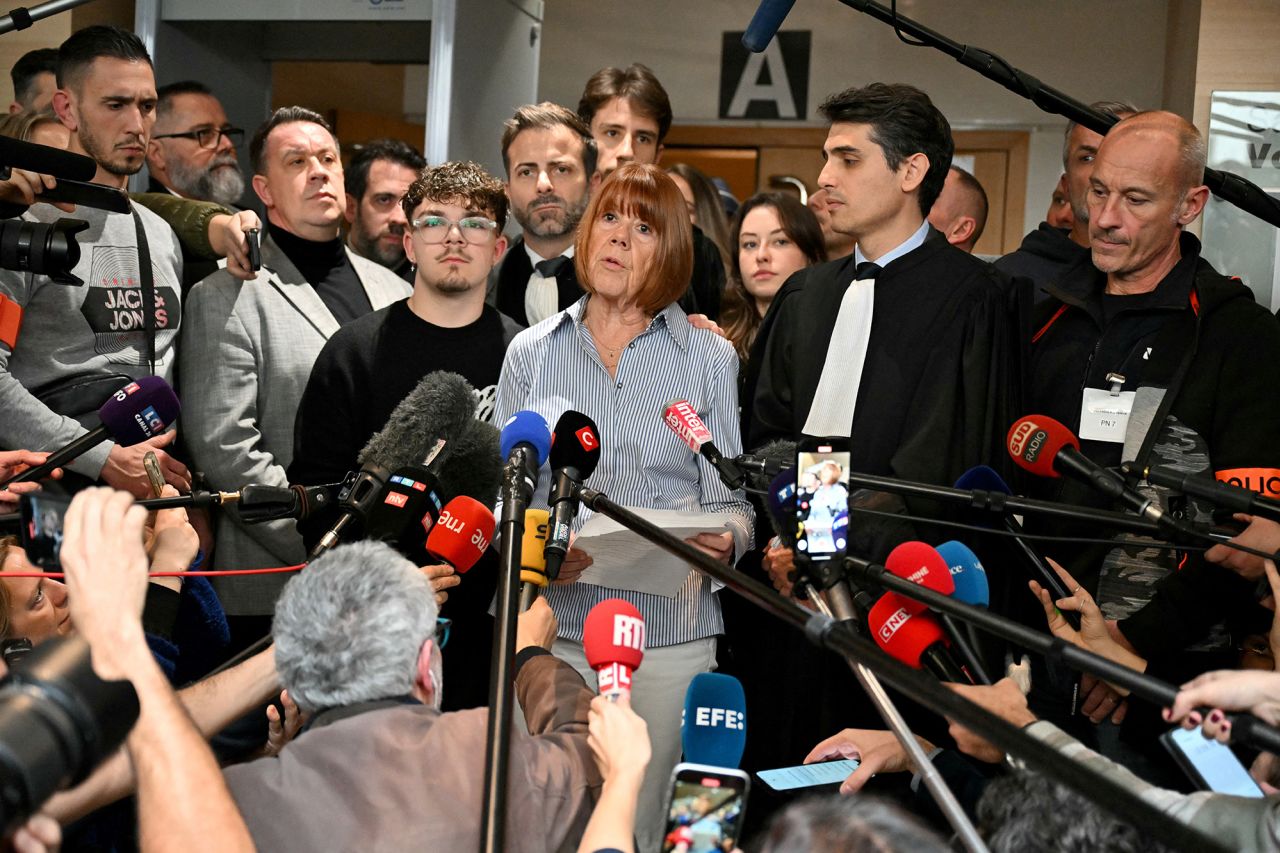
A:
[1116, 109]
[348, 627]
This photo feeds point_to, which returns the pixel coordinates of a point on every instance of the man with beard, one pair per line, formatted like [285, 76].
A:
[193, 150]
[550, 158]
[456, 212]
[377, 176]
[79, 345]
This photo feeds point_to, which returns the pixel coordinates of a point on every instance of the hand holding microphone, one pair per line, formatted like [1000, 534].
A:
[613, 641]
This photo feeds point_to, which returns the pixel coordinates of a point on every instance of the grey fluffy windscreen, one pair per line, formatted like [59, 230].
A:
[781, 450]
[439, 407]
[474, 465]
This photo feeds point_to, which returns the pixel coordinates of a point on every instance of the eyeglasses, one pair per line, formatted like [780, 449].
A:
[435, 229]
[208, 137]
[442, 631]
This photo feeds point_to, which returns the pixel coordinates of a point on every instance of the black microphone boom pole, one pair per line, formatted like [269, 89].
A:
[22, 17]
[822, 631]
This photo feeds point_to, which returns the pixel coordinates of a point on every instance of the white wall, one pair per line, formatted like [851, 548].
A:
[1085, 48]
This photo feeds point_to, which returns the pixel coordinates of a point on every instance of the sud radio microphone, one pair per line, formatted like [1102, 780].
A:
[913, 638]
[684, 422]
[923, 565]
[765, 23]
[140, 410]
[430, 416]
[613, 641]
[575, 452]
[1223, 494]
[533, 559]
[713, 728]
[1046, 448]
[462, 533]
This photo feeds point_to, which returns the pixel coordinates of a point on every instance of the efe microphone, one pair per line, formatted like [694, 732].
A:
[613, 641]
[575, 452]
[683, 420]
[713, 727]
[142, 409]
[533, 560]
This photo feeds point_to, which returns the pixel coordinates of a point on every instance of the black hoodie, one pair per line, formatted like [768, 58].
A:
[1044, 256]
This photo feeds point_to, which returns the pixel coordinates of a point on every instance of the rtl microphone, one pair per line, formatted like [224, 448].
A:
[923, 565]
[533, 560]
[765, 23]
[913, 638]
[684, 422]
[429, 417]
[140, 410]
[462, 533]
[1046, 448]
[613, 640]
[713, 727]
[575, 452]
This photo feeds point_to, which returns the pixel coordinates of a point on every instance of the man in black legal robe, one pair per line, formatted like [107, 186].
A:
[907, 347]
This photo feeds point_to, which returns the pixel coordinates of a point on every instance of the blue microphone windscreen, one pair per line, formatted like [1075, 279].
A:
[967, 572]
[765, 23]
[526, 427]
[984, 478]
[782, 505]
[714, 731]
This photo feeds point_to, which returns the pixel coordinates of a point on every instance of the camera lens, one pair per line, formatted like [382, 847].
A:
[44, 248]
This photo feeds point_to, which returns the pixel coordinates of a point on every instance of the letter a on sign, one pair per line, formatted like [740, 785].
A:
[769, 85]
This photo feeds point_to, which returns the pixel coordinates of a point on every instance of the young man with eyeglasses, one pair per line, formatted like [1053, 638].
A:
[456, 212]
[249, 350]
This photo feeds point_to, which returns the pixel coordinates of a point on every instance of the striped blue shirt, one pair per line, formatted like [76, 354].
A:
[554, 367]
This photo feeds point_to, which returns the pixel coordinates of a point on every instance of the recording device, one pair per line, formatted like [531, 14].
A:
[253, 238]
[533, 559]
[968, 576]
[1221, 494]
[43, 248]
[913, 638]
[822, 500]
[140, 410]
[524, 442]
[406, 510]
[42, 517]
[101, 196]
[58, 721]
[683, 420]
[713, 726]
[923, 565]
[769, 460]
[1212, 766]
[613, 641]
[765, 23]
[462, 533]
[437, 410]
[705, 808]
[575, 452]
[155, 476]
[809, 775]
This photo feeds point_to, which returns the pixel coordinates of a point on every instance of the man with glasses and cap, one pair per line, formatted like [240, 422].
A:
[456, 212]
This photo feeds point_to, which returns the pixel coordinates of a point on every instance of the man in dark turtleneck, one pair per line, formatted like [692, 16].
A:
[248, 350]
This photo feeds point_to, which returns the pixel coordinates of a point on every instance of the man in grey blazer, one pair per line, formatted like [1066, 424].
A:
[248, 349]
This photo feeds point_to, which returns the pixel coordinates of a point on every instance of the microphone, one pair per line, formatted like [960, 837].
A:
[533, 561]
[780, 500]
[1046, 448]
[1221, 494]
[713, 727]
[913, 638]
[16, 154]
[462, 534]
[256, 503]
[765, 23]
[422, 424]
[968, 576]
[770, 459]
[406, 509]
[524, 443]
[684, 422]
[575, 452]
[140, 410]
[613, 640]
[472, 466]
[923, 565]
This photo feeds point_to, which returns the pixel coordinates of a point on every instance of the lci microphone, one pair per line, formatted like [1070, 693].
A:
[462, 533]
[713, 728]
[140, 410]
[613, 641]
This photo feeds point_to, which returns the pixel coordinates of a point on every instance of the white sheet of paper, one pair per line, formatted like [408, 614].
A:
[623, 560]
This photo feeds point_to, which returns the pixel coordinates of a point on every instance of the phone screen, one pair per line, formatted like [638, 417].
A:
[808, 775]
[705, 815]
[822, 501]
[1214, 763]
[42, 516]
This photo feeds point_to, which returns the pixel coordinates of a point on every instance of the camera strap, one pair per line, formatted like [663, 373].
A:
[148, 288]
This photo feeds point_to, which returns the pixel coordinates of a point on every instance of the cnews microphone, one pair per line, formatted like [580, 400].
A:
[684, 422]
[575, 452]
[533, 561]
[613, 640]
[765, 23]
[1046, 448]
[914, 639]
[430, 416]
[462, 534]
[1221, 494]
[713, 727]
[140, 410]
[923, 565]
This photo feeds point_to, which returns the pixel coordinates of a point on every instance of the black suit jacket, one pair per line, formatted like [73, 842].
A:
[513, 278]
